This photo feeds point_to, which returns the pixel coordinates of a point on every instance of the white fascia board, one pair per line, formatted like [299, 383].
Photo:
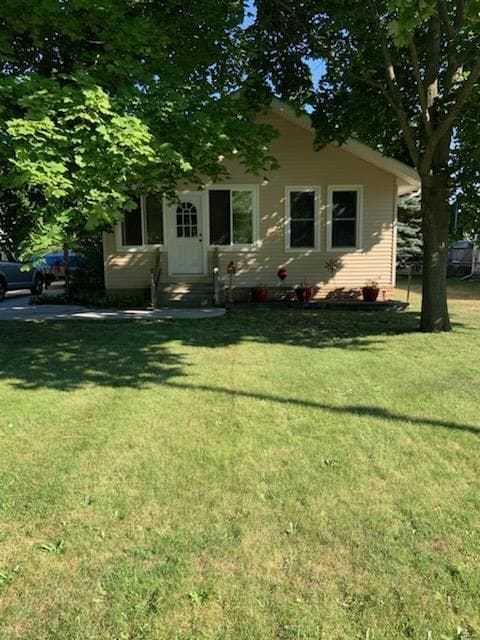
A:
[406, 175]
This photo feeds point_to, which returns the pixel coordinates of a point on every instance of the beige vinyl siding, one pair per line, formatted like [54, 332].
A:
[299, 165]
[125, 270]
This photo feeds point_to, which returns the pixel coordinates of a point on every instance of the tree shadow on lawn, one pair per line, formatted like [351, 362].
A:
[313, 329]
[366, 411]
[69, 355]
[66, 355]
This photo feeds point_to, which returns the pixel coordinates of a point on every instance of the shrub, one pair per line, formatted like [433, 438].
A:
[88, 275]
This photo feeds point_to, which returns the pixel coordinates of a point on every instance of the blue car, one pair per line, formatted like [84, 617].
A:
[54, 264]
[12, 278]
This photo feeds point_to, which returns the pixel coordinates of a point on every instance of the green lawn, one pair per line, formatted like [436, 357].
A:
[270, 475]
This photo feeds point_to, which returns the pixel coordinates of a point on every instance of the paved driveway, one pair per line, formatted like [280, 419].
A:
[16, 307]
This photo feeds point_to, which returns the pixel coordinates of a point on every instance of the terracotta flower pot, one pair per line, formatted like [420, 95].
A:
[304, 294]
[370, 294]
[259, 294]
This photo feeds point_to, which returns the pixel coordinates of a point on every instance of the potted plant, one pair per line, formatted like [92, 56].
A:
[370, 291]
[304, 292]
[260, 293]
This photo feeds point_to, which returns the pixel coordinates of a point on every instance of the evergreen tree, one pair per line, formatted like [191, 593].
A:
[409, 231]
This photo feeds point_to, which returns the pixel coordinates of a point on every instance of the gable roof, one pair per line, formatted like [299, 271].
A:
[408, 179]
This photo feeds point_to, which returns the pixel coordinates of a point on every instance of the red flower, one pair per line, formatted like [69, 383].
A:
[231, 267]
[282, 273]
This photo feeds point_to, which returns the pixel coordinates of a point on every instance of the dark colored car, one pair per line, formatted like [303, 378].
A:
[12, 278]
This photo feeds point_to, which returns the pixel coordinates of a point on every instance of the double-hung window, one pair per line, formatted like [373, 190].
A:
[143, 225]
[301, 215]
[344, 217]
[132, 227]
[232, 216]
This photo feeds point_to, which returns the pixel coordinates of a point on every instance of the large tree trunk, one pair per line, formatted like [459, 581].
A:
[436, 219]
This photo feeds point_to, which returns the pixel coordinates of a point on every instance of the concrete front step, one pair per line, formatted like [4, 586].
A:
[189, 300]
[185, 295]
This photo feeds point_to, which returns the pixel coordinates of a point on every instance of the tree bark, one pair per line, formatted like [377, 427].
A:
[435, 226]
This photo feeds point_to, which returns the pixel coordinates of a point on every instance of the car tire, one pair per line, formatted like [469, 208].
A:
[3, 290]
[37, 287]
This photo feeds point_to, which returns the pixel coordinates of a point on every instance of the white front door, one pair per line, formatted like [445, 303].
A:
[185, 242]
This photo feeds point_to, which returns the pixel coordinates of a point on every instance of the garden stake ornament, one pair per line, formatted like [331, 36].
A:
[231, 270]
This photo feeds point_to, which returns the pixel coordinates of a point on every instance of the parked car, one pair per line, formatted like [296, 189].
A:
[12, 278]
[53, 265]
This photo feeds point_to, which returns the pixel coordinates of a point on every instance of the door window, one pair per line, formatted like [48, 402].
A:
[187, 220]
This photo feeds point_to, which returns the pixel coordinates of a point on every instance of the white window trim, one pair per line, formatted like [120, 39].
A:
[254, 188]
[359, 230]
[316, 219]
[140, 248]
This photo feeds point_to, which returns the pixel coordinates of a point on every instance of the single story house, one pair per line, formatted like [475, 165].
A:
[328, 217]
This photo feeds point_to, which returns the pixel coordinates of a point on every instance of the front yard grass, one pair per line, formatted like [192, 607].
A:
[270, 475]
